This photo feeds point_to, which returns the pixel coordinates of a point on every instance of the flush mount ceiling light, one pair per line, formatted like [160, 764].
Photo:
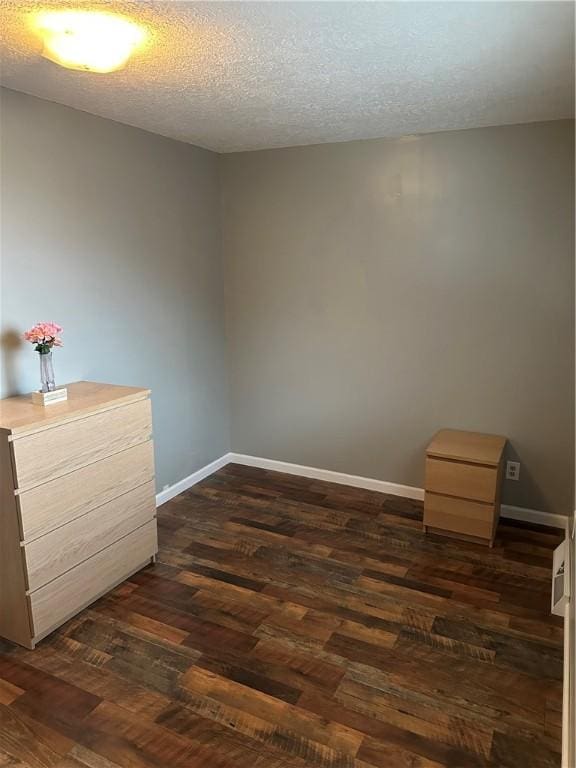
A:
[93, 41]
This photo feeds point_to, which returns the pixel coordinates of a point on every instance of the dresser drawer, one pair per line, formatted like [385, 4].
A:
[470, 481]
[53, 504]
[59, 600]
[52, 555]
[54, 452]
[459, 515]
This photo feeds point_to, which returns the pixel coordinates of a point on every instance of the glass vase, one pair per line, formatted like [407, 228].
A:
[47, 372]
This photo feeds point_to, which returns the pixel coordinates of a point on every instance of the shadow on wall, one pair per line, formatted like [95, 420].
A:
[524, 492]
[10, 344]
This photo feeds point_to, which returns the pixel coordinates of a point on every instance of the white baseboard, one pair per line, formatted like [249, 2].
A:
[188, 482]
[329, 475]
[371, 484]
[534, 516]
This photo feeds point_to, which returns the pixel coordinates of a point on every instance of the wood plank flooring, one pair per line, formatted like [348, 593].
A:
[291, 623]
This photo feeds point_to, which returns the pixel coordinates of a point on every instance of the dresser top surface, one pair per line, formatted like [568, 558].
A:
[473, 447]
[19, 414]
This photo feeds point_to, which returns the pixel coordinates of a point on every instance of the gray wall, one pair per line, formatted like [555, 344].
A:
[376, 290]
[380, 290]
[114, 233]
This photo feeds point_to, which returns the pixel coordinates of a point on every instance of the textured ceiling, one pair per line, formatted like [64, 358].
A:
[243, 75]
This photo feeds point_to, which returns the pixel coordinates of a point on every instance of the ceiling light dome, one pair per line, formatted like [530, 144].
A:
[93, 41]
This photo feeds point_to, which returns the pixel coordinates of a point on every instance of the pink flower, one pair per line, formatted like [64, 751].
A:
[45, 334]
[50, 329]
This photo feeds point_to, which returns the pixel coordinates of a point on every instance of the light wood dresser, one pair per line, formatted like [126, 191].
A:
[77, 503]
[463, 479]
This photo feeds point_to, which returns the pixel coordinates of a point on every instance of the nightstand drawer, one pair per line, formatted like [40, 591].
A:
[65, 596]
[470, 481]
[58, 502]
[52, 555]
[57, 451]
[459, 515]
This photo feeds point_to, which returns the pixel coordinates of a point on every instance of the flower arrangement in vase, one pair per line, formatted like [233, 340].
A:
[45, 337]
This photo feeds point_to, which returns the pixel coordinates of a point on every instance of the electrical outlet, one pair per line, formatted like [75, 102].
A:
[512, 470]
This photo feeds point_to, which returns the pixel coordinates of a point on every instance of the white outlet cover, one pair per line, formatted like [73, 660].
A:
[512, 470]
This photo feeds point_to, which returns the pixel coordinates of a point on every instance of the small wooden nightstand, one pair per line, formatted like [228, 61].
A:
[463, 476]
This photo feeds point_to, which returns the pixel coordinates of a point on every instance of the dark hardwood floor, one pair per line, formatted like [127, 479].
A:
[292, 623]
